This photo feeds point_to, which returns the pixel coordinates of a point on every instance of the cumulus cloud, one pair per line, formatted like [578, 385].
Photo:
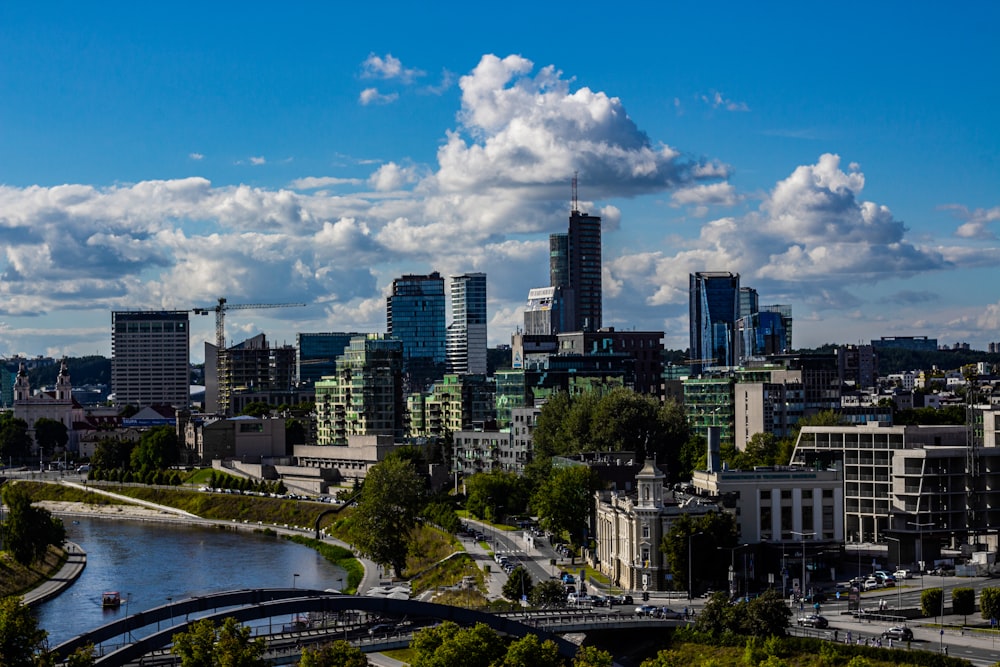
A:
[976, 223]
[316, 182]
[373, 96]
[701, 197]
[196, 156]
[387, 67]
[258, 160]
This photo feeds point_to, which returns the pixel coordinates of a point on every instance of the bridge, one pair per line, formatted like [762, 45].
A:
[117, 644]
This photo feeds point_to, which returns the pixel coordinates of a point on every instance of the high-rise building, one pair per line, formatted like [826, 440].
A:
[466, 350]
[714, 302]
[415, 316]
[364, 396]
[575, 266]
[150, 355]
[254, 372]
[317, 354]
[549, 312]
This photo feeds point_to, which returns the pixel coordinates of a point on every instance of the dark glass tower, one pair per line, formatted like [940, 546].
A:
[575, 266]
[714, 304]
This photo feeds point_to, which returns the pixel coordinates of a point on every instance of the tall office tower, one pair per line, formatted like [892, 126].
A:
[575, 265]
[150, 355]
[317, 354]
[467, 331]
[548, 312]
[415, 316]
[748, 301]
[364, 396]
[786, 320]
[713, 309]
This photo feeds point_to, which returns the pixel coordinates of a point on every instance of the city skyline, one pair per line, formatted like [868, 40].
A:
[845, 165]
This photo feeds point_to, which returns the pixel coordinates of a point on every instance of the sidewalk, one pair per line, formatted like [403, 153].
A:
[76, 560]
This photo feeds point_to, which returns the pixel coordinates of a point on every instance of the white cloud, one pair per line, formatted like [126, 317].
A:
[196, 156]
[717, 100]
[391, 176]
[316, 182]
[258, 160]
[976, 223]
[388, 67]
[372, 96]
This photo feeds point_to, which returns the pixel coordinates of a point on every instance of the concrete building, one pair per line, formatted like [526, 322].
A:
[644, 347]
[549, 311]
[249, 439]
[454, 403]
[466, 335]
[251, 367]
[150, 358]
[365, 394]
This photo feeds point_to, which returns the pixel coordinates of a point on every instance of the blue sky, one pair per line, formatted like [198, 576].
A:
[844, 159]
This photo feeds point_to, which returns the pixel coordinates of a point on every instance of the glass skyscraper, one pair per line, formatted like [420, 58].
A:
[714, 303]
[415, 316]
[575, 266]
[466, 348]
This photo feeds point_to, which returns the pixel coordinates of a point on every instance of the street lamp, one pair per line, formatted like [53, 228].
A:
[733, 587]
[920, 555]
[899, 584]
[802, 586]
[690, 569]
[294, 577]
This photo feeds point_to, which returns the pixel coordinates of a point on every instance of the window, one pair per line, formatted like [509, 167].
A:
[645, 530]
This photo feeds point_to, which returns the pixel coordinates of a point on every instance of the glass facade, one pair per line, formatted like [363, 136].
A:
[415, 316]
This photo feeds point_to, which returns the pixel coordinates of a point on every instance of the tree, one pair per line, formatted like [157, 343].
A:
[448, 645]
[564, 501]
[50, 434]
[963, 601]
[765, 616]
[717, 615]
[112, 453]
[230, 645]
[717, 534]
[931, 601]
[338, 653]
[591, 656]
[530, 651]
[14, 439]
[157, 449]
[518, 584]
[387, 512]
[256, 409]
[20, 636]
[487, 491]
[547, 594]
[989, 602]
[29, 530]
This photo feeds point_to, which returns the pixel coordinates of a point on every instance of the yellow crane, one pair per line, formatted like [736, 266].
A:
[221, 357]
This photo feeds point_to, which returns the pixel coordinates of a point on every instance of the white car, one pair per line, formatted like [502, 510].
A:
[902, 574]
[871, 583]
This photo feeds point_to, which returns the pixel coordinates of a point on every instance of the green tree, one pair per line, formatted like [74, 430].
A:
[591, 656]
[963, 601]
[765, 616]
[693, 456]
[989, 603]
[530, 651]
[157, 449]
[761, 450]
[82, 657]
[29, 530]
[112, 453]
[931, 601]
[338, 653]
[709, 536]
[548, 594]
[564, 501]
[230, 645]
[256, 409]
[20, 636]
[487, 491]
[717, 616]
[387, 512]
[295, 432]
[518, 584]
[448, 645]
[50, 434]
[15, 443]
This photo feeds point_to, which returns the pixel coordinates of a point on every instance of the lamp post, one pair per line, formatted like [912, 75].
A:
[733, 586]
[690, 569]
[294, 577]
[802, 538]
[920, 554]
[899, 584]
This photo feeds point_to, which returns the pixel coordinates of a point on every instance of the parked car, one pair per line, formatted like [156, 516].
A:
[622, 599]
[902, 574]
[813, 621]
[885, 578]
[871, 583]
[645, 610]
[900, 632]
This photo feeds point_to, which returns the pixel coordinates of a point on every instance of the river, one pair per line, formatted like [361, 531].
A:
[151, 562]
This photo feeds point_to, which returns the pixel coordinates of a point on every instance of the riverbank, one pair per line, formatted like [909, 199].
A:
[71, 569]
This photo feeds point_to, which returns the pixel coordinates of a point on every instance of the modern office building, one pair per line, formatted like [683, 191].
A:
[760, 334]
[364, 396]
[575, 265]
[549, 311]
[713, 305]
[317, 354]
[644, 347]
[415, 316]
[150, 355]
[466, 335]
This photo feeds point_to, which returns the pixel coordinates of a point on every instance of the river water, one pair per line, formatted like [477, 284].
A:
[149, 562]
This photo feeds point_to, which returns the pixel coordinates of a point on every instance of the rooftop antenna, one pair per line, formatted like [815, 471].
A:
[576, 206]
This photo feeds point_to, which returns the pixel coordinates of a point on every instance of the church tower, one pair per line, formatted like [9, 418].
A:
[22, 387]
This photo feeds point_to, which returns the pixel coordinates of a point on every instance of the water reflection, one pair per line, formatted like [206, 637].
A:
[153, 563]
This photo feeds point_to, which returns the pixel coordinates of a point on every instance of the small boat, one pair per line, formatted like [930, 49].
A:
[111, 600]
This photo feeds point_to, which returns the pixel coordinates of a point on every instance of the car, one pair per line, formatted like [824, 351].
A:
[600, 600]
[578, 599]
[381, 629]
[622, 599]
[885, 578]
[871, 583]
[900, 632]
[645, 610]
[813, 621]
[84, 468]
[668, 613]
[902, 574]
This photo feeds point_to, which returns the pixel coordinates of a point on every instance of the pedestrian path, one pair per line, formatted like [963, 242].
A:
[76, 561]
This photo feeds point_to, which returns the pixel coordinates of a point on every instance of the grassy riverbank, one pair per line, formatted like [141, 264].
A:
[17, 579]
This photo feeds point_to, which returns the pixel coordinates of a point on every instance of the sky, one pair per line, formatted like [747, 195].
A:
[843, 159]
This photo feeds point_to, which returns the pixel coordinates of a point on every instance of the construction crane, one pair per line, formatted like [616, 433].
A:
[222, 358]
